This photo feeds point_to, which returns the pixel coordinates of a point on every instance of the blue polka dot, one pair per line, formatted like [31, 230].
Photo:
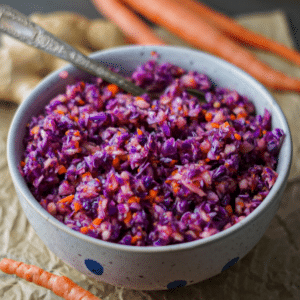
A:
[230, 263]
[94, 266]
[176, 284]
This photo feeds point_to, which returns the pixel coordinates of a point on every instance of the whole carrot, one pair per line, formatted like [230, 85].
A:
[179, 20]
[131, 25]
[237, 32]
[60, 285]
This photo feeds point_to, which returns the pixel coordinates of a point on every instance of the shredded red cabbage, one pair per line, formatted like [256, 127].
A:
[151, 172]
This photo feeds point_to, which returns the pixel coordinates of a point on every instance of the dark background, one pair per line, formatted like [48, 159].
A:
[229, 7]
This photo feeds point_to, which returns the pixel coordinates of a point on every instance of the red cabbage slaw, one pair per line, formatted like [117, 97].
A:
[151, 172]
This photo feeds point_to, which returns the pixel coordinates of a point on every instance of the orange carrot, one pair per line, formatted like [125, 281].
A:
[236, 31]
[62, 286]
[67, 199]
[179, 20]
[132, 26]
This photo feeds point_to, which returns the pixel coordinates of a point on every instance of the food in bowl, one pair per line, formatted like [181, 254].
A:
[151, 172]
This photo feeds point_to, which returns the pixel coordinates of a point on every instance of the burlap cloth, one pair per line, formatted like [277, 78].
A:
[270, 271]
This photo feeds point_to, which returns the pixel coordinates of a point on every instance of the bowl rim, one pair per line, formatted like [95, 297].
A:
[22, 188]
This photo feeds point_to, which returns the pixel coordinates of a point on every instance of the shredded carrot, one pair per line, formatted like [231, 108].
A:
[86, 174]
[128, 218]
[237, 136]
[174, 172]
[113, 88]
[134, 199]
[61, 170]
[153, 193]
[232, 117]
[173, 162]
[91, 226]
[241, 115]
[77, 133]
[62, 286]
[226, 124]
[134, 239]
[80, 102]
[67, 199]
[175, 187]
[84, 229]
[139, 131]
[22, 163]
[229, 209]
[215, 125]
[116, 162]
[241, 204]
[35, 130]
[77, 206]
[264, 132]
[207, 159]
[59, 111]
[97, 221]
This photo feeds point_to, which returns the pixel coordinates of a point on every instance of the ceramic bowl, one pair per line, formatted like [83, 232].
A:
[151, 268]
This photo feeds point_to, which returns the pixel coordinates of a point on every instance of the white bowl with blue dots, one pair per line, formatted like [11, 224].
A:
[151, 268]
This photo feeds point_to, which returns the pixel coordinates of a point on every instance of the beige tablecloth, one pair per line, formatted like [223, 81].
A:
[270, 271]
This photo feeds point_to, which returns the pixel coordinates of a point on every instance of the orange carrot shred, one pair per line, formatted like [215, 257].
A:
[116, 162]
[128, 218]
[113, 88]
[139, 131]
[208, 117]
[97, 221]
[241, 115]
[229, 209]
[215, 125]
[237, 136]
[35, 130]
[153, 193]
[77, 206]
[59, 111]
[22, 163]
[67, 199]
[61, 170]
[86, 174]
[134, 199]
[77, 133]
[62, 286]
[84, 229]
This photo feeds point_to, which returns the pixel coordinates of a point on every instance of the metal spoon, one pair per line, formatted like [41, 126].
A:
[18, 26]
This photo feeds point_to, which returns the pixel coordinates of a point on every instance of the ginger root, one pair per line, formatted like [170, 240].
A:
[22, 67]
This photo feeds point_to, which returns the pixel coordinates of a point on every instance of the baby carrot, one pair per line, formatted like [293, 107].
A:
[62, 286]
[179, 20]
[132, 26]
[236, 31]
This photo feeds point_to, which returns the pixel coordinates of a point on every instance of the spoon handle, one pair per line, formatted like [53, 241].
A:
[21, 28]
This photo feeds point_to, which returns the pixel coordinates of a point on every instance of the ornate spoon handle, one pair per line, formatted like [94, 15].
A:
[21, 28]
